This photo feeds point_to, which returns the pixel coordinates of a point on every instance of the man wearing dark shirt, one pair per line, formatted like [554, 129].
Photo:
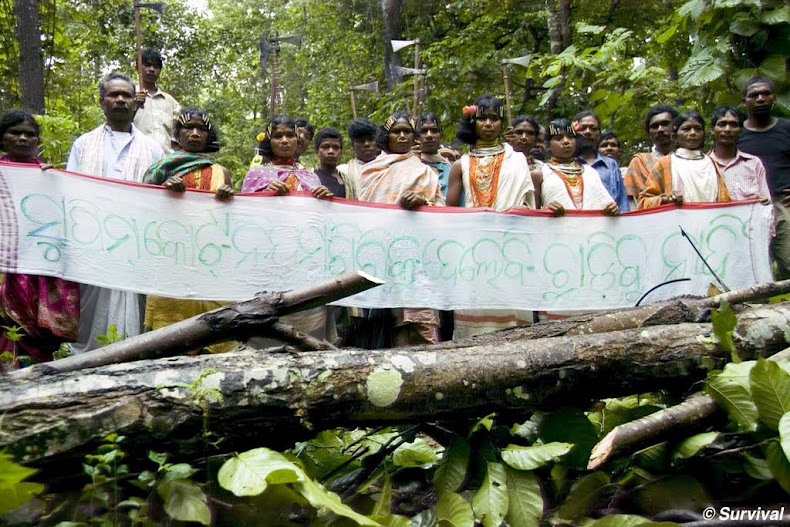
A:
[768, 138]
[328, 149]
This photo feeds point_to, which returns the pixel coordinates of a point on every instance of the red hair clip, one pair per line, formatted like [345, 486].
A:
[469, 111]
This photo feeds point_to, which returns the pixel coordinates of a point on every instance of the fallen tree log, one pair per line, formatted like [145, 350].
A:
[276, 399]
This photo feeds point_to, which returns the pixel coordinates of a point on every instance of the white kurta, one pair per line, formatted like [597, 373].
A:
[100, 307]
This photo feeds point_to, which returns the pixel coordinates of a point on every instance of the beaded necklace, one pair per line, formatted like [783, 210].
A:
[484, 167]
[571, 176]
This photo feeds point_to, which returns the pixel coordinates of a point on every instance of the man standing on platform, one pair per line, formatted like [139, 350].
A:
[768, 138]
[156, 109]
[114, 150]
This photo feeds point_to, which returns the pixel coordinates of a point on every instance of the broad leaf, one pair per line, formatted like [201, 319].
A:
[417, 454]
[570, 425]
[490, 504]
[627, 520]
[676, 492]
[694, 445]
[185, 501]
[528, 429]
[784, 433]
[654, 458]
[778, 464]
[178, 471]
[756, 467]
[775, 16]
[525, 499]
[320, 498]
[452, 468]
[731, 395]
[693, 8]
[583, 495]
[452, 510]
[532, 457]
[384, 503]
[724, 322]
[18, 494]
[702, 67]
[773, 67]
[392, 520]
[744, 24]
[664, 37]
[249, 473]
[11, 472]
[770, 386]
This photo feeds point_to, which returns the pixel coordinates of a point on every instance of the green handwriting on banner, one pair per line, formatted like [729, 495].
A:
[220, 242]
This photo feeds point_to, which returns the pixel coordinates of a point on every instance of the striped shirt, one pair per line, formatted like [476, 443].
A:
[744, 176]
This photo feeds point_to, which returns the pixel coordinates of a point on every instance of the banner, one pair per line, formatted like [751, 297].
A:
[147, 239]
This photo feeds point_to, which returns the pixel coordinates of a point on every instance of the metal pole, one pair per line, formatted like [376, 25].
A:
[507, 92]
[416, 77]
[138, 35]
[353, 102]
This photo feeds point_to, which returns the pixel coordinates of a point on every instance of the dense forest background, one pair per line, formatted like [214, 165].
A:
[616, 56]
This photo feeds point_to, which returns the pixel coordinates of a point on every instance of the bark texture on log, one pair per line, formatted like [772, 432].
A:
[274, 400]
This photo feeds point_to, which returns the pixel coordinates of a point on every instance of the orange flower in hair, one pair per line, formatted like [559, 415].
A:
[469, 111]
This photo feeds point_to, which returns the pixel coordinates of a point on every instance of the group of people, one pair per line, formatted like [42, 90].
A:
[566, 165]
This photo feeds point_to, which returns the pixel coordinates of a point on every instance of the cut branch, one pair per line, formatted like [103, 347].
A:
[237, 321]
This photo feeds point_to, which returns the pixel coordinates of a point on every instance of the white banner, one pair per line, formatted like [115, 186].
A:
[146, 239]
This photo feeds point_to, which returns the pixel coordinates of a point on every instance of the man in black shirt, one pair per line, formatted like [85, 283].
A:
[328, 149]
[768, 138]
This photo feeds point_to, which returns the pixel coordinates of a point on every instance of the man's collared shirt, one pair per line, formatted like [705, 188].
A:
[155, 119]
[611, 177]
[744, 176]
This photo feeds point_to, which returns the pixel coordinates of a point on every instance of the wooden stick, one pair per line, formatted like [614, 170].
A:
[353, 102]
[234, 321]
[506, 78]
[416, 78]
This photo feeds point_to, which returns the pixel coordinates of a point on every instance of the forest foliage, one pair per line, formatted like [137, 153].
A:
[621, 57]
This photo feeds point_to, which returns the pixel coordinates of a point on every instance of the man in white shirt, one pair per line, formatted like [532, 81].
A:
[115, 150]
[156, 109]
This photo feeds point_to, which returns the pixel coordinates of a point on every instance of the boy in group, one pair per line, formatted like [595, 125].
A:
[328, 149]
[362, 133]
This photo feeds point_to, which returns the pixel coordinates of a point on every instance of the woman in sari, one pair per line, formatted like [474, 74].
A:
[191, 167]
[44, 309]
[398, 177]
[687, 174]
[279, 171]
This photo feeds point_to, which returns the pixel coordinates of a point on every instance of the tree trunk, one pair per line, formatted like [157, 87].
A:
[277, 399]
[390, 10]
[31, 58]
[559, 22]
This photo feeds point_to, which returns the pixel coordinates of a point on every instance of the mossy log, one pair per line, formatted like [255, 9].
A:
[275, 399]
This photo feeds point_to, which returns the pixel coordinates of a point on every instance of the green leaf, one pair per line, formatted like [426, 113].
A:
[525, 506]
[583, 495]
[694, 445]
[775, 16]
[486, 422]
[528, 429]
[664, 37]
[784, 433]
[392, 520]
[702, 67]
[756, 467]
[452, 468]
[693, 8]
[570, 425]
[724, 322]
[654, 458]
[18, 494]
[626, 520]
[736, 400]
[384, 503]
[416, 454]
[778, 464]
[452, 510]
[676, 492]
[178, 471]
[770, 386]
[185, 501]
[12, 473]
[532, 457]
[320, 498]
[744, 24]
[772, 67]
[249, 473]
[490, 504]
[581, 27]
